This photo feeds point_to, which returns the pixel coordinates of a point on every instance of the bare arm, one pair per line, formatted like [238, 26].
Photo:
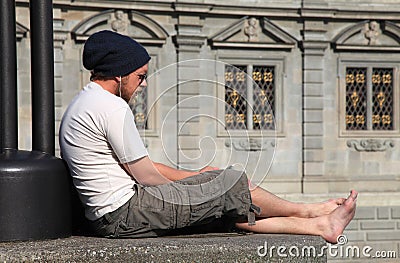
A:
[172, 173]
[175, 174]
[147, 172]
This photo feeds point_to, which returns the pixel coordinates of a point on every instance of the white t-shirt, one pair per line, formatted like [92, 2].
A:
[97, 133]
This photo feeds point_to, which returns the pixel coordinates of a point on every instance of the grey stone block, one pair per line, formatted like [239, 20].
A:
[314, 155]
[353, 225]
[58, 99]
[196, 248]
[186, 56]
[335, 157]
[313, 116]
[58, 55]
[313, 142]
[284, 169]
[188, 115]
[314, 168]
[378, 225]
[189, 155]
[365, 213]
[396, 212]
[58, 70]
[310, 187]
[58, 114]
[313, 89]
[313, 129]
[313, 103]
[383, 212]
[353, 236]
[313, 62]
[383, 235]
[58, 84]
[190, 73]
[313, 76]
[188, 87]
[393, 156]
[188, 128]
[371, 168]
[188, 101]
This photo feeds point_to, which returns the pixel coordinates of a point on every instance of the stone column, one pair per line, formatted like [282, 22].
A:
[313, 47]
[60, 36]
[189, 41]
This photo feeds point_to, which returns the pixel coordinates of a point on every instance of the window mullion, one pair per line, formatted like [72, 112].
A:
[369, 98]
[249, 94]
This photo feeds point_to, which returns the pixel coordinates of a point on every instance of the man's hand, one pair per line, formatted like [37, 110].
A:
[209, 168]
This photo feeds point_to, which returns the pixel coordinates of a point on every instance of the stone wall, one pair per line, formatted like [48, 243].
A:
[373, 235]
[309, 42]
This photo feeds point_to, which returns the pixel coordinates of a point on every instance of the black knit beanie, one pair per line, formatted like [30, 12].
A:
[112, 54]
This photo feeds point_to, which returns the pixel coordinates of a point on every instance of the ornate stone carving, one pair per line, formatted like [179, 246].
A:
[251, 30]
[370, 145]
[137, 25]
[371, 32]
[253, 33]
[118, 24]
[369, 36]
[252, 144]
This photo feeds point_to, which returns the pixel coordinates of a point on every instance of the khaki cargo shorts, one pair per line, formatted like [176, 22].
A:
[209, 202]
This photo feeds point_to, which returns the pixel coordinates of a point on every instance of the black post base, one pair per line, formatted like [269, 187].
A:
[35, 198]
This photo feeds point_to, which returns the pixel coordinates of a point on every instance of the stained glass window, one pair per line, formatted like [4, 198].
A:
[382, 99]
[356, 98]
[257, 111]
[263, 97]
[235, 97]
[369, 98]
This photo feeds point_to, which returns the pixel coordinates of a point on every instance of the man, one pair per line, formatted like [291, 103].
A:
[125, 194]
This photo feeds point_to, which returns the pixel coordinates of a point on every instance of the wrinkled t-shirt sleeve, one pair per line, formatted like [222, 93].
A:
[124, 137]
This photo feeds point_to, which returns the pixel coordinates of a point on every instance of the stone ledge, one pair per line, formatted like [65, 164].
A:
[229, 247]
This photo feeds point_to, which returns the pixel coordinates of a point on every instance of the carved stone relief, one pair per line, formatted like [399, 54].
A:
[119, 24]
[369, 36]
[372, 32]
[252, 144]
[250, 30]
[370, 145]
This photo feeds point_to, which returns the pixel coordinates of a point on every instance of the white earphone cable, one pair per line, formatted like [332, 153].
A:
[119, 87]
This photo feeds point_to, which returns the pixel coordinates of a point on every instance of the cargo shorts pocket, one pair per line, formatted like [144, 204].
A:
[147, 212]
[150, 199]
[207, 212]
[138, 222]
[137, 229]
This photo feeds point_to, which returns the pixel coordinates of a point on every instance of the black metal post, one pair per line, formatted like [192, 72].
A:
[8, 77]
[42, 71]
[35, 197]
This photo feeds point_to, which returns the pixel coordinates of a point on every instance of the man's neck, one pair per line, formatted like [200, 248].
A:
[108, 85]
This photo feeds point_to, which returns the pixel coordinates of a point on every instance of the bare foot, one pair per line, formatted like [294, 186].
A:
[333, 224]
[323, 208]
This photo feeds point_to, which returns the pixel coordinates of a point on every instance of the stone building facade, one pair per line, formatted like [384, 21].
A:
[302, 94]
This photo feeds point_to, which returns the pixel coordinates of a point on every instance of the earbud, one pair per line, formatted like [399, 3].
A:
[119, 86]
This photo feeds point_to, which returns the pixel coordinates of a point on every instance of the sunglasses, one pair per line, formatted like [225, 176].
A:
[141, 77]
